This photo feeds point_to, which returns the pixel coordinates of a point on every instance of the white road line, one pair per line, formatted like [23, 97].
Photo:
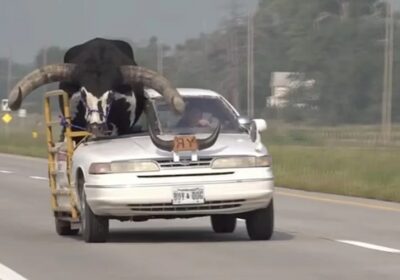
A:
[38, 178]
[370, 246]
[9, 274]
[6, 172]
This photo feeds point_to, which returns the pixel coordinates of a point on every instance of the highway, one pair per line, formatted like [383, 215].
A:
[316, 237]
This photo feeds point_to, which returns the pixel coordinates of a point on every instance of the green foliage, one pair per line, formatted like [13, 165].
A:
[362, 172]
[338, 45]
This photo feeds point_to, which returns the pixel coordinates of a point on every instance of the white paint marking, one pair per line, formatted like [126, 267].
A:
[38, 178]
[6, 172]
[9, 274]
[370, 246]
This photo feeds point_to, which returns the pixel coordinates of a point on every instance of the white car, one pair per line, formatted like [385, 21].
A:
[173, 169]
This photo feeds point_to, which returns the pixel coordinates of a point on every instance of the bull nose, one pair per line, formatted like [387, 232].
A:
[97, 129]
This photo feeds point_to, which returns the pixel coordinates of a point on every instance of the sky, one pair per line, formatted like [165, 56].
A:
[29, 25]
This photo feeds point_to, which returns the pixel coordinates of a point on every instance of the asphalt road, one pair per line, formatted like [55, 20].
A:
[317, 237]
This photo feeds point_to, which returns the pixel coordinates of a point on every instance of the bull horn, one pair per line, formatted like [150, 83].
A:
[208, 142]
[45, 75]
[168, 145]
[136, 74]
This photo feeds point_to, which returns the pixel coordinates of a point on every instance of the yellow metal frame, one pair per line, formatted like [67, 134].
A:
[68, 135]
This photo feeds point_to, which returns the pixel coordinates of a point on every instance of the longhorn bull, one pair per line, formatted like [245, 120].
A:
[105, 87]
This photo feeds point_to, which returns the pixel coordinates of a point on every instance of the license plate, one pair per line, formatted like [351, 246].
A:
[188, 196]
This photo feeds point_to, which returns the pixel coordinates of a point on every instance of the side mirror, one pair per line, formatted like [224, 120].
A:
[257, 126]
[245, 122]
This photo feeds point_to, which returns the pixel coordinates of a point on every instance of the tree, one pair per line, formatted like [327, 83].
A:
[334, 42]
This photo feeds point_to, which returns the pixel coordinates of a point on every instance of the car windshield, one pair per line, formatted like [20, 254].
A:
[201, 115]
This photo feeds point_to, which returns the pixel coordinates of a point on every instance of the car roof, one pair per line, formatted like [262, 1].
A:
[186, 92]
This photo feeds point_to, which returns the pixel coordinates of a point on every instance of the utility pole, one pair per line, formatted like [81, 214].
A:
[44, 63]
[160, 58]
[250, 65]
[9, 72]
[205, 51]
[386, 127]
[233, 54]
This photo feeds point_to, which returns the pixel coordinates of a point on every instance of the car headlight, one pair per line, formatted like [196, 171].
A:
[123, 167]
[242, 162]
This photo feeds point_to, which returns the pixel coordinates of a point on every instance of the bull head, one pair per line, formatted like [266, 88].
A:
[96, 109]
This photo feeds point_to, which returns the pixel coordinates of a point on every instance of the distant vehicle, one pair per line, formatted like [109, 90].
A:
[133, 178]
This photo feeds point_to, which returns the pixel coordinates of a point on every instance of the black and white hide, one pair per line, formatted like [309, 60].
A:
[100, 102]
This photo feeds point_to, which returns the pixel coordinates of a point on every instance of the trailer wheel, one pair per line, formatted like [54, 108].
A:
[63, 228]
[94, 228]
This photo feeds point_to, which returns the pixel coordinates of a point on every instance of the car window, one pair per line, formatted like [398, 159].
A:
[202, 114]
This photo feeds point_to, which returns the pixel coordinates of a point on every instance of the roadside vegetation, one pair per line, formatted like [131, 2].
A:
[365, 172]
[23, 144]
[24, 136]
[343, 160]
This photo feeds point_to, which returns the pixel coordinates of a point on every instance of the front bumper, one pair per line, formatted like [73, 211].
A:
[221, 197]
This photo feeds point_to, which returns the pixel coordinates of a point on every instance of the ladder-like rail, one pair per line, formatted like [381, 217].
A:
[72, 211]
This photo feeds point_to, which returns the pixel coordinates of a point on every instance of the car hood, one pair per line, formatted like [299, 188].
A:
[141, 147]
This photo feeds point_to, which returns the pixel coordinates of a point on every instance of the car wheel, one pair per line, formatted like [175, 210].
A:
[94, 228]
[260, 223]
[63, 228]
[223, 223]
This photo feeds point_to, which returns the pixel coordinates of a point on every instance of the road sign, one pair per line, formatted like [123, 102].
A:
[4, 105]
[7, 118]
[22, 113]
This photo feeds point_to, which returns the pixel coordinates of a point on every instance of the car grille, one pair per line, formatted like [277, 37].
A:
[210, 205]
[186, 175]
[184, 163]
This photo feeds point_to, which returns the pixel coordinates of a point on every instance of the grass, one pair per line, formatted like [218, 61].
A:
[17, 137]
[347, 135]
[363, 172]
[344, 160]
[23, 144]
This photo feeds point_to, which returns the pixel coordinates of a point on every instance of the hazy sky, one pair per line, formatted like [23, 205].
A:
[28, 25]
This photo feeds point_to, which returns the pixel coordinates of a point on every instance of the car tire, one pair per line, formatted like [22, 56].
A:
[94, 228]
[63, 228]
[260, 223]
[223, 223]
